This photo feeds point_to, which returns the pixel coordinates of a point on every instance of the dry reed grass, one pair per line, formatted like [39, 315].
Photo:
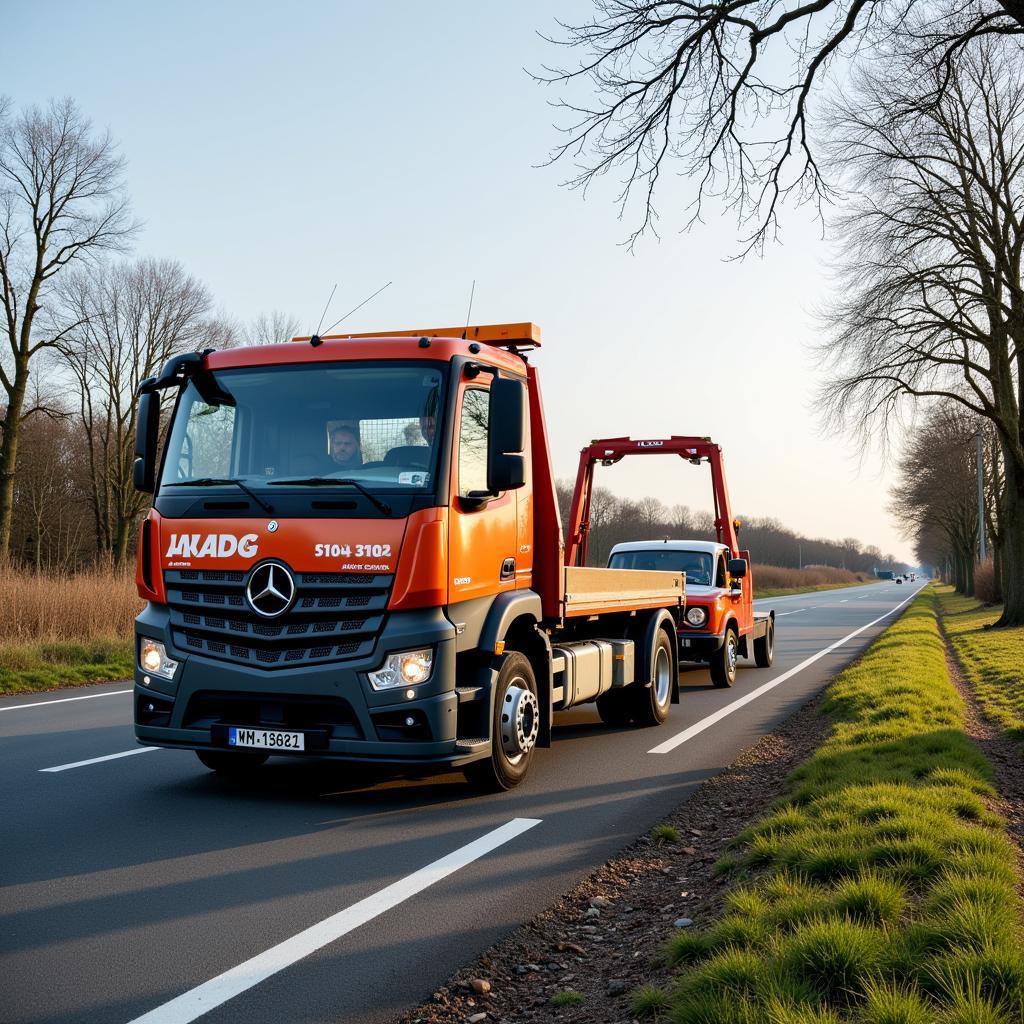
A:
[81, 607]
[772, 577]
[985, 583]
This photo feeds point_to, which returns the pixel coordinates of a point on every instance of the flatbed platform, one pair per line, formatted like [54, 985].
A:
[595, 591]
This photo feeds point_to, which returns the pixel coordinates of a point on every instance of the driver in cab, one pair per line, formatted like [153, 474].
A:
[345, 453]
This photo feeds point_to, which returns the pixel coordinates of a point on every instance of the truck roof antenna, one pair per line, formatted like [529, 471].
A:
[469, 312]
[360, 306]
[314, 339]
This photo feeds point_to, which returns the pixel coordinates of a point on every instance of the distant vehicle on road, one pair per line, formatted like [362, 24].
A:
[885, 574]
[899, 579]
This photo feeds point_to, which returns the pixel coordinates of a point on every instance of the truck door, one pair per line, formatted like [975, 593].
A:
[482, 531]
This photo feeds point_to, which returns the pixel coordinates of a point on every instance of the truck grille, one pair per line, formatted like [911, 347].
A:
[334, 616]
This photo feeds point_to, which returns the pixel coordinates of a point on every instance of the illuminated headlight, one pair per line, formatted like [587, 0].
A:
[405, 669]
[153, 659]
[696, 616]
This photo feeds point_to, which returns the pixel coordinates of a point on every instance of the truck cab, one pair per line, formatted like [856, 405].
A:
[720, 624]
[354, 551]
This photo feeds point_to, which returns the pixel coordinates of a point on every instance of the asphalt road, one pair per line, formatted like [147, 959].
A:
[143, 887]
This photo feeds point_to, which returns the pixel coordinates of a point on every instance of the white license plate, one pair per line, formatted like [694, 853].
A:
[267, 739]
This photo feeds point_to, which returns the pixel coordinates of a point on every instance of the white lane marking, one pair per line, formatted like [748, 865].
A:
[213, 993]
[844, 600]
[779, 615]
[706, 723]
[96, 760]
[64, 700]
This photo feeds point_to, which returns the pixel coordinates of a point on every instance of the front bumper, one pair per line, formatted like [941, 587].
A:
[334, 704]
[695, 645]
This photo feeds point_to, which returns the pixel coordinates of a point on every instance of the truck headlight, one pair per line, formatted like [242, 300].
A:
[153, 659]
[406, 669]
[696, 616]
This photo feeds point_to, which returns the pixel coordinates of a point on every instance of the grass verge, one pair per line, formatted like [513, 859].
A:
[992, 659]
[880, 888]
[27, 667]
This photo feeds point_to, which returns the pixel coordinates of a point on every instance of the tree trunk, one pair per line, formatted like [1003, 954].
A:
[9, 455]
[1013, 547]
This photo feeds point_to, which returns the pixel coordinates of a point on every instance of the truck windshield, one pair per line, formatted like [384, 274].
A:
[371, 423]
[698, 565]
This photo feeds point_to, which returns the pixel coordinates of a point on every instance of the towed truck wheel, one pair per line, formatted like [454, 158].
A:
[764, 647]
[723, 661]
[514, 727]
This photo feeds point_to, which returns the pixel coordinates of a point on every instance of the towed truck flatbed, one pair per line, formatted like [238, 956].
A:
[355, 552]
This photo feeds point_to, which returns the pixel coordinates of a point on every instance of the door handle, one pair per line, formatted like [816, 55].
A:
[508, 569]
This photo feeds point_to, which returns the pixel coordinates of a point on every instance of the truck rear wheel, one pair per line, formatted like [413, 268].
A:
[616, 707]
[723, 661]
[651, 703]
[764, 646]
[232, 762]
[514, 727]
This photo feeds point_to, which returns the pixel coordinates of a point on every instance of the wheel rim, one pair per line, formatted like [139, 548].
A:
[771, 641]
[731, 655]
[520, 720]
[662, 676]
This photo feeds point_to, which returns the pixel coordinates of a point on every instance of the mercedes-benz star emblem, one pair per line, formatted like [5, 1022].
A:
[270, 590]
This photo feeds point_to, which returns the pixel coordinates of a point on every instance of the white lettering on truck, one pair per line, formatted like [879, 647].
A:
[213, 545]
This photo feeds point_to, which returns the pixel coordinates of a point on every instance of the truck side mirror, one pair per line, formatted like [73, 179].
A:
[506, 429]
[147, 427]
[737, 568]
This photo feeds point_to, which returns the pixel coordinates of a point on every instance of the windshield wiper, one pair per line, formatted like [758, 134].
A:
[331, 481]
[211, 481]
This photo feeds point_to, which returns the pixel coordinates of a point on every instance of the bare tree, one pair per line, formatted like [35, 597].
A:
[723, 91]
[930, 302]
[936, 489]
[271, 328]
[119, 323]
[62, 202]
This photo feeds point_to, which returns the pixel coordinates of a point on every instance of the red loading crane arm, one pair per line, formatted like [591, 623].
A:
[614, 449]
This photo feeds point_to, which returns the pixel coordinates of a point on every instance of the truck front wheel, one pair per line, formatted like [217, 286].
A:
[723, 661]
[231, 762]
[514, 727]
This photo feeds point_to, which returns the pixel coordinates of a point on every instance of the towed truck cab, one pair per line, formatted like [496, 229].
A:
[350, 538]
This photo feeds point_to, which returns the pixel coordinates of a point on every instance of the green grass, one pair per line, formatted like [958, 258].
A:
[884, 887]
[993, 659]
[44, 666]
[785, 591]
[567, 998]
[664, 833]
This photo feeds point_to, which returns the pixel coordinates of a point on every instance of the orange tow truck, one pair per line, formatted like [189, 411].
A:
[354, 552]
[720, 624]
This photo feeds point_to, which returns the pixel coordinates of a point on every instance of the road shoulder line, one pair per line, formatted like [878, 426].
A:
[705, 723]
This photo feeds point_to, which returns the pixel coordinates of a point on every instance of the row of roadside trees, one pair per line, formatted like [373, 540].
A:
[902, 123]
[83, 325]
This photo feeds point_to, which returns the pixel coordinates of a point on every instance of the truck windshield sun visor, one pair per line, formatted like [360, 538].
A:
[365, 425]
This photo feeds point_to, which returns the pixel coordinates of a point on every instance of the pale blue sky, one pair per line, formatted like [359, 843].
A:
[276, 149]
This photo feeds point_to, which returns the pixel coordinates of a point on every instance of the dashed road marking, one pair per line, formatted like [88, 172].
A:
[213, 993]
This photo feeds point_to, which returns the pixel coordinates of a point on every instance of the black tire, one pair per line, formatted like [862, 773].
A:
[651, 702]
[514, 726]
[723, 661]
[236, 763]
[617, 707]
[764, 646]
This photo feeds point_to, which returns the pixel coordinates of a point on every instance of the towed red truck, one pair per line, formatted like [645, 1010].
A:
[355, 552]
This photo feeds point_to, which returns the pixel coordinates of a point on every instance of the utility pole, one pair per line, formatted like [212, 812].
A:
[981, 498]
